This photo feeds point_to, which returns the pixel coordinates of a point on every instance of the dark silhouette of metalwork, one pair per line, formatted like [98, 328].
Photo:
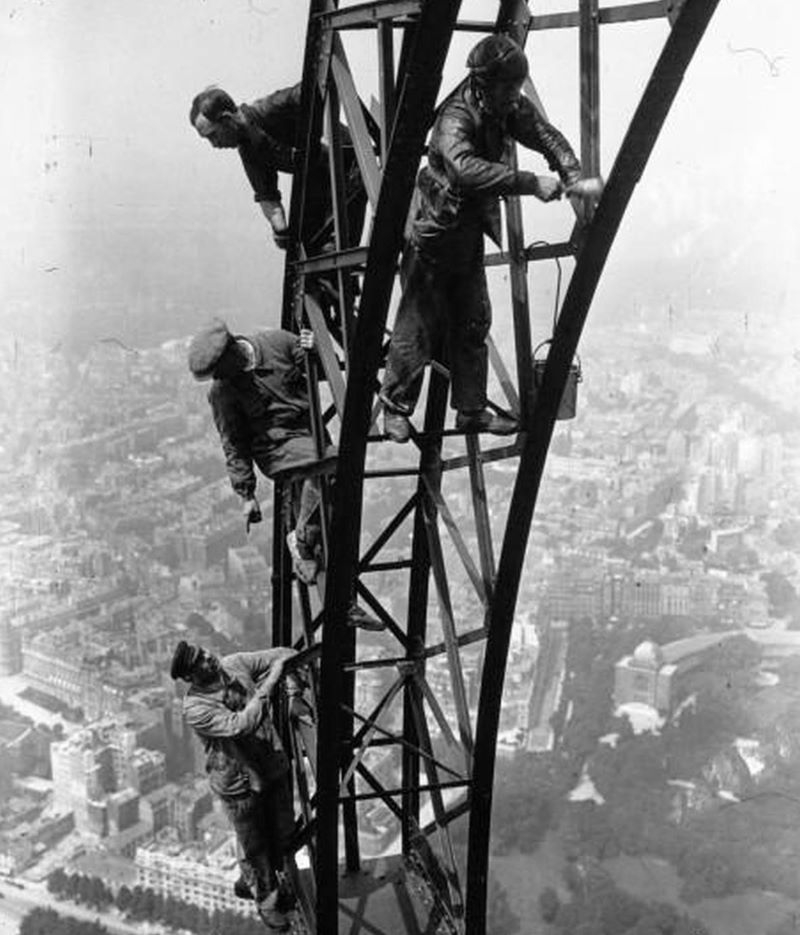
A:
[437, 709]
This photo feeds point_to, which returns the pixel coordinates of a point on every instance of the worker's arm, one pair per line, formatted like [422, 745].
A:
[231, 426]
[266, 667]
[293, 347]
[471, 172]
[266, 151]
[528, 127]
[232, 429]
[211, 718]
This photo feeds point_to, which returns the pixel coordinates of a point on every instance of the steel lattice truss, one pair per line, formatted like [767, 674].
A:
[443, 729]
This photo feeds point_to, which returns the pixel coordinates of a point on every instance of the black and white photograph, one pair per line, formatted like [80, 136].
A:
[399, 467]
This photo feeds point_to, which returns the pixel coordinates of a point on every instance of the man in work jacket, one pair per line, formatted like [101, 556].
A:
[445, 303]
[228, 707]
[264, 132]
[260, 404]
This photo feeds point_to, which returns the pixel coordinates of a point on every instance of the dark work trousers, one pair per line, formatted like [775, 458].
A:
[297, 453]
[263, 822]
[444, 313]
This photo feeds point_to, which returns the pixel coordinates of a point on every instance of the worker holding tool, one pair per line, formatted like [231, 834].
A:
[445, 308]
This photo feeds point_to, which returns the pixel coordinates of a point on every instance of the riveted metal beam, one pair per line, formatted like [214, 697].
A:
[635, 151]
[417, 96]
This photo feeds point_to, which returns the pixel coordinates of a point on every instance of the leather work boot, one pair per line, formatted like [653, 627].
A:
[484, 420]
[304, 564]
[275, 921]
[286, 899]
[242, 889]
[270, 915]
[358, 617]
[396, 426]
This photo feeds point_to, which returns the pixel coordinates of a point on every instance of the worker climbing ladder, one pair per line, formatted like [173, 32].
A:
[437, 711]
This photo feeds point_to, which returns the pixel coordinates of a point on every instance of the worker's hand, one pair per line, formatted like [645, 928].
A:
[306, 339]
[252, 513]
[267, 685]
[281, 238]
[549, 188]
[301, 711]
[274, 213]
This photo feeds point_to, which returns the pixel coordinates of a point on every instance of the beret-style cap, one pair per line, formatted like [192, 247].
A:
[182, 660]
[498, 57]
[206, 348]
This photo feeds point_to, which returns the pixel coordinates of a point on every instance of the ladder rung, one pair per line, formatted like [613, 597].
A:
[365, 796]
[341, 259]
[400, 563]
[369, 14]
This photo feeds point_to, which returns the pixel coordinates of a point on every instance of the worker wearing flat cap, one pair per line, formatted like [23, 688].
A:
[228, 705]
[260, 404]
[445, 308]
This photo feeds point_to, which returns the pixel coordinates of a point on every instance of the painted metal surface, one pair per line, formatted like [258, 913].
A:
[460, 788]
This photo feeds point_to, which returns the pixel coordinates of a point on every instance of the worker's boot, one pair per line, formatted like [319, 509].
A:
[484, 420]
[396, 426]
[271, 916]
[241, 888]
[304, 561]
[358, 617]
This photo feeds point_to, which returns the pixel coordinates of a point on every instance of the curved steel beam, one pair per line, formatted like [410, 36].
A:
[659, 94]
[417, 98]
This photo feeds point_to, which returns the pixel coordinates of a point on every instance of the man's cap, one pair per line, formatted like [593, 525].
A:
[206, 348]
[497, 58]
[182, 660]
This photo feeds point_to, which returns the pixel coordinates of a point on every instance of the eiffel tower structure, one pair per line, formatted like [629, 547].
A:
[406, 721]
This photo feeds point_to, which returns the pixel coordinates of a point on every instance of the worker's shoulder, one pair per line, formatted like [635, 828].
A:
[276, 101]
[221, 393]
[456, 116]
[195, 698]
[457, 102]
[272, 339]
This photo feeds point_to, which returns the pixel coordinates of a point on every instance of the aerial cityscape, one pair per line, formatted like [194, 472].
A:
[249, 680]
[655, 650]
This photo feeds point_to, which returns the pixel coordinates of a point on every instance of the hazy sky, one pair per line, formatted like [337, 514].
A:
[115, 217]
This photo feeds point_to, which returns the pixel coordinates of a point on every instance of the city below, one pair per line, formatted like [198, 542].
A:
[655, 660]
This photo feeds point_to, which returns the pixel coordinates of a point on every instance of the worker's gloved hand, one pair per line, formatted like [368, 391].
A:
[549, 188]
[544, 187]
[281, 238]
[252, 513]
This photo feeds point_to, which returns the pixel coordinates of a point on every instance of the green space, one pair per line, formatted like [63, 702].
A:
[658, 849]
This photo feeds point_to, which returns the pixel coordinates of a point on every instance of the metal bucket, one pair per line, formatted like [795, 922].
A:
[569, 398]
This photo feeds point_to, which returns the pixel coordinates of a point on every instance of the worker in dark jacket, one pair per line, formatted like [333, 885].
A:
[228, 707]
[265, 133]
[260, 404]
[445, 303]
